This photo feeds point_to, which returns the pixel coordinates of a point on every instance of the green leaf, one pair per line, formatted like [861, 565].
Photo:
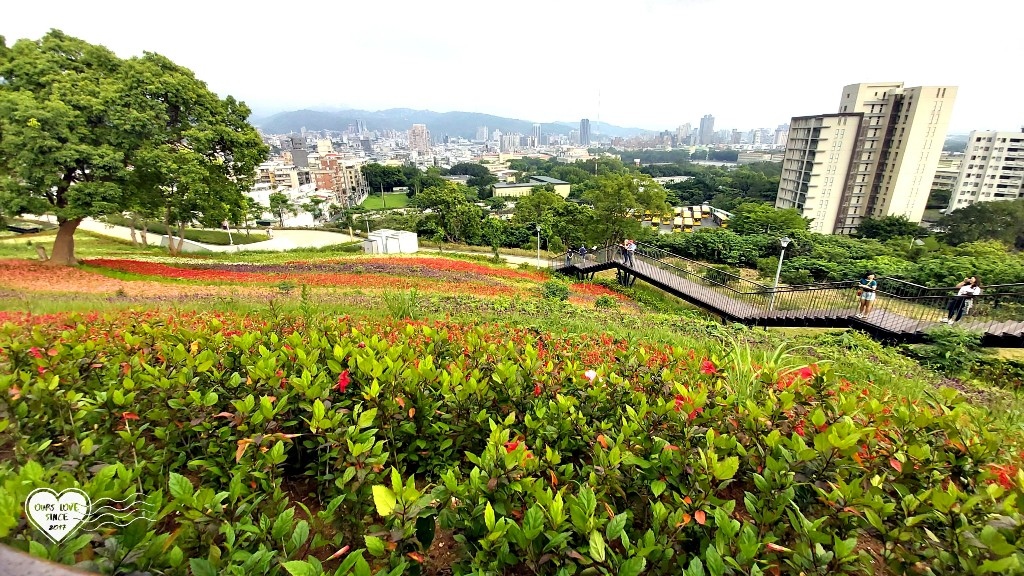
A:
[533, 522]
[366, 418]
[374, 545]
[633, 566]
[425, 527]
[489, 517]
[615, 527]
[716, 566]
[727, 468]
[695, 568]
[596, 546]
[384, 499]
[1001, 566]
[203, 567]
[318, 411]
[299, 535]
[657, 487]
[300, 568]
[180, 487]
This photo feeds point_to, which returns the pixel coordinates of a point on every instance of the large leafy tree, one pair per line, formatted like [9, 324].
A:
[1002, 220]
[889, 227]
[759, 218]
[616, 197]
[379, 176]
[64, 144]
[198, 154]
[84, 133]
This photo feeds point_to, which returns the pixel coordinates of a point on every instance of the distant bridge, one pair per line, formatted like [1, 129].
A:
[902, 311]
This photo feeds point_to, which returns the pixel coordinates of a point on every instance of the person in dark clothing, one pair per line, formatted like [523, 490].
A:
[966, 290]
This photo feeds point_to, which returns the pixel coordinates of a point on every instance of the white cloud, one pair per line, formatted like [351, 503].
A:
[655, 63]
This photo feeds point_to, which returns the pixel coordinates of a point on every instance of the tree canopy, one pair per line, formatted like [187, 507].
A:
[1002, 221]
[759, 218]
[616, 197]
[84, 133]
[889, 227]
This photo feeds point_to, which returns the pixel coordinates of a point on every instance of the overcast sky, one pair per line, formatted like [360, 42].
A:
[655, 63]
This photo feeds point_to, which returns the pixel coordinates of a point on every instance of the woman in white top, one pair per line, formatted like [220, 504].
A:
[966, 290]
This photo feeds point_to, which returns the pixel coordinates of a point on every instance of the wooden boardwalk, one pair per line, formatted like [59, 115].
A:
[752, 307]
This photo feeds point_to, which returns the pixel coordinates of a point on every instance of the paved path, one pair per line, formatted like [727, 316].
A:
[281, 241]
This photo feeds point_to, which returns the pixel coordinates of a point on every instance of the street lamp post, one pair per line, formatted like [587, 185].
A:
[538, 246]
[784, 241]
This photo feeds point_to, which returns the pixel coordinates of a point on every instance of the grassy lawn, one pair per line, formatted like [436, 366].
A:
[389, 201]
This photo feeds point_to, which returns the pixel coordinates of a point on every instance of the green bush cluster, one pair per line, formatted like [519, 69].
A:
[283, 445]
[555, 290]
[819, 257]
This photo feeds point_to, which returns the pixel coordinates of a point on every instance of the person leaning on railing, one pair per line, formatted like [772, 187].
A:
[967, 290]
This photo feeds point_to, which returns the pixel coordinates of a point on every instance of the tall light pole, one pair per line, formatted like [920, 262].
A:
[784, 241]
[538, 246]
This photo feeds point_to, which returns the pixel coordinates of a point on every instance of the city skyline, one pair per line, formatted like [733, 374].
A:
[697, 69]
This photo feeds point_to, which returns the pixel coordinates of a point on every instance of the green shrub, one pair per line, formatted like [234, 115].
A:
[606, 302]
[555, 290]
[402, 305]
[951, 351]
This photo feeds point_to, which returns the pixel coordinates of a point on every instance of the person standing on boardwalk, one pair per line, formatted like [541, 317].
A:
[630, 250]
[583, 254]
[966, 291]
[866, 290]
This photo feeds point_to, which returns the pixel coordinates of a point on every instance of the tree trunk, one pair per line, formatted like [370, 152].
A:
[145, 229]
[169, 232]
[181, 236]
[131, 226]
[63, 253]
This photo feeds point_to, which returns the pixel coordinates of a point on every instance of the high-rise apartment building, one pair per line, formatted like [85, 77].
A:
[536, 134]
[683, 134]
[707, 130]
[574, 137]
[585, 132]
[482, 134]
[892, 159]
[816, 165]
[781, 136]
[419, 138]
[992, 169]
[295, 146]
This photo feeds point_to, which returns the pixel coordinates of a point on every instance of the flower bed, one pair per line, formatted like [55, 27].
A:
[270, 445]
[366, 274]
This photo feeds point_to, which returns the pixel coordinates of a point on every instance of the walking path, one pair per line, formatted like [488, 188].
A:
[281, 241]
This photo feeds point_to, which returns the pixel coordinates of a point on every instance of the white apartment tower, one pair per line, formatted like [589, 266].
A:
[992, 169]
[892, 159]
[419, 138]
[815, 168]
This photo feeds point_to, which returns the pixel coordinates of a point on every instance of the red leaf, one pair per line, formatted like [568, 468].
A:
[416, 556]
[130, 416]
[896, 464]
[700, 517]
[686, 519]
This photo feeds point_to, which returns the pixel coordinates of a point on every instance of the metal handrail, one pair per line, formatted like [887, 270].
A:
[904, 307]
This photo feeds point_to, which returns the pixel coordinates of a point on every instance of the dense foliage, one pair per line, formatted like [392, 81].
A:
[80, 128]
[264, 444]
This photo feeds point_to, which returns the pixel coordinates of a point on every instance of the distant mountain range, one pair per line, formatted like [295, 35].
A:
[462, 124]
